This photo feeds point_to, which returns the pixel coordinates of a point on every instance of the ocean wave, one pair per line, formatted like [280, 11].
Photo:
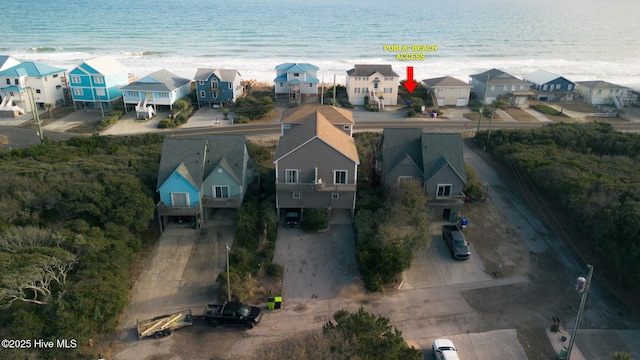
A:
[142, 53]
[45, 49]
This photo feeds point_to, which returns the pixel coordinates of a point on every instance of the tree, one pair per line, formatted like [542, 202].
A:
[621, 356]
[49, 107]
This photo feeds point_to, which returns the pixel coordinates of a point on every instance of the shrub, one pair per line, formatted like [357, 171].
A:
[314, 219]
[412, 113]
[241, 119]
[274, 269]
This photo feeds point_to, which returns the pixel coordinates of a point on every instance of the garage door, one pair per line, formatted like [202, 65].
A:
[440, 101]
[462, 102]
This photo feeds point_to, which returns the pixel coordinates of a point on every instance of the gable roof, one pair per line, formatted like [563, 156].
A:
[161, 80]
[31, 69]
[226, 75]
[104, 65]
[185, 155]
[440, 150]
[431, 152]
[599, 84]
[445, 81]
[367, 70]
[498, 77]
[7, 62]
[196, 158]
[317, 127]
[301, 114]
[540, 77]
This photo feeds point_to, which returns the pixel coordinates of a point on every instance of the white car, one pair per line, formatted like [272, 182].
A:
[443, 349]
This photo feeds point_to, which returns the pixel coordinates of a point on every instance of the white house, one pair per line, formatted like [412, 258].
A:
[600, 92]
[296, 80]
[377, 82]
[448, 91]
[161, 88]
[30, 85]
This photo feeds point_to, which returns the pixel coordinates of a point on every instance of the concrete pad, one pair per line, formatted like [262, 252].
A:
[497, 344]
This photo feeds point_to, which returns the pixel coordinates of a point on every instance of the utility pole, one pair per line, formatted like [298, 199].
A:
[36, 116]
[334, 90]
[228, 281]
[322, 91]
[484, 100]
[582, 286]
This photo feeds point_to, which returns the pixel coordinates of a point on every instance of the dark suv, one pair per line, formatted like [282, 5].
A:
[457, 244]
[291, 218]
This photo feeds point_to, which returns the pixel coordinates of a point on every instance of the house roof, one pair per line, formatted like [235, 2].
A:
[599, 84]
[498, 77]
[367, 70]
[317, 127]
[301, 114]
[161, 80]
[104, 65]
[293, 67]
[431, 152]
[196, 158]
[440, 150]
[31, 69]
[7, 62]
[445, 81]
[542, 77]
[226, 75]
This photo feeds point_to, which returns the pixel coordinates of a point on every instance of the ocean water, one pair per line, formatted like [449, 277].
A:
[578, 39]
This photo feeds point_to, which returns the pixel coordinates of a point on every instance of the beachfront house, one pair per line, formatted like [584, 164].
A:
[30, 85]
[156, 91]
[374, 84]
[296, 116]
[435, 160]
[600, 92]
[296, 80]
[494, 83]
[448, 91]
[218, 86]
[197, 175]
[96, 83]
[548, 86]
[317, 166]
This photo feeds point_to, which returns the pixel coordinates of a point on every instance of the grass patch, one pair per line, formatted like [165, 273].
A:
[547, 110]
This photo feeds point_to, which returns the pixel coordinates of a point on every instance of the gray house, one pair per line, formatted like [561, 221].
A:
[548, 86]
[316, 166]
[200, 174]
[491, 84]
[434, 159]
[340, 118]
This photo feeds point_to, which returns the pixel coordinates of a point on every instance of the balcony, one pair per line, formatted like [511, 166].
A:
[167, 210]
[211, 202]
[310, 187]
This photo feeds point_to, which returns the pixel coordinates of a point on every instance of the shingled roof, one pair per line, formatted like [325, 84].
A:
[301, 114]
[368, 70]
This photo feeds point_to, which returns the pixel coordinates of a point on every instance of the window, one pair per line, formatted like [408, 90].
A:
[214, 84]
[444, 190]
[75, 79]
[346, 127]
[296, 74]
[296, 195]
[77, 91]
[569, 87]
[281, 84]
[505, 88]
[545, 86]
[55, 76]
[230, 86]
[98, 79]
[335, 195]
[201, 82]
[38, 91]
[220, 191]
[357, 90]
[386, 78]
[202, 94]
[388, 90]
[8, 81]
[340, 176]
[16, 81]
[558, 86]
[493, 87]
[215, 94]
[286, 126]
[310, 85]
[180, 199]
[291, 176]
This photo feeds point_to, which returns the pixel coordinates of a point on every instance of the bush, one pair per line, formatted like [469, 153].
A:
[412, 113]
[241, 119]
[274, 269]
[314, 219]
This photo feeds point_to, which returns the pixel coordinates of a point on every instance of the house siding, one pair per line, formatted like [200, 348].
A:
[178, 184]
[220, 179]
[445, 176]
[451, 94]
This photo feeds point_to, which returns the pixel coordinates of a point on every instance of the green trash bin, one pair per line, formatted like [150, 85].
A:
[277, 302]
[563, 354]
[271, 302]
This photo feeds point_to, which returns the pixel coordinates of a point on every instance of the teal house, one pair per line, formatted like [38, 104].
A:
[96, 83]
[197, 175]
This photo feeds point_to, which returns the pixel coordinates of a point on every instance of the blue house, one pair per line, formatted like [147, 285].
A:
[218, 86]
[549, 86]
[197, 175]
[161, 88]
[296, 80]
[97, 82]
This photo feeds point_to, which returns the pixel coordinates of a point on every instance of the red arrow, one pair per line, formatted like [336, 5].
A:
[410, 84]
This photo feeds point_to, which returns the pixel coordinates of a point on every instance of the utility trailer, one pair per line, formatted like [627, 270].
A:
[164, 325]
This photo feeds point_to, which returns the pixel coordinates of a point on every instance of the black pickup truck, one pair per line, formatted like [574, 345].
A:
[233, 313]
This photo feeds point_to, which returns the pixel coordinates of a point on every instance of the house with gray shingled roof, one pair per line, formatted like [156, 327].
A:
[161, 88]
[548, 86]
[197, 175]
[218, 86]
[494, 83]
[436, 160]
[598, 92]
[448, 91]
[378, 83]
[316, 167]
